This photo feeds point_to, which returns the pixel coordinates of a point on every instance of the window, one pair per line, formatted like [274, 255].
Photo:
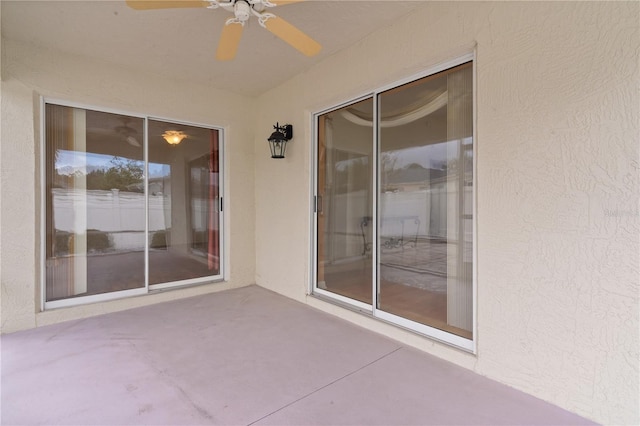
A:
[125, 210]
[394, 188]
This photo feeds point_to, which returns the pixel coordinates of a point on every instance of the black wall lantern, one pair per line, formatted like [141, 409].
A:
[279, 138]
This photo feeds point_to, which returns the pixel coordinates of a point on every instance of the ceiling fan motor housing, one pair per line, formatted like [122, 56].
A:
[242, 10]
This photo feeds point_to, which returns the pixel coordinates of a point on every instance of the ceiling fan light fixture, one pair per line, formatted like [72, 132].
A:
[173, 137]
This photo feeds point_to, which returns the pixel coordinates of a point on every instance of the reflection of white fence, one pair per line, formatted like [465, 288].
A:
[418, 205]
[128, 240]
[121, 214]
[108, 211]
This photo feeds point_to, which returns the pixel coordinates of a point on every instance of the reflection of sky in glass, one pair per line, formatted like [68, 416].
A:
[428, 156]
[159, 170]
[69, 162]
[433, 156]
[72, 161]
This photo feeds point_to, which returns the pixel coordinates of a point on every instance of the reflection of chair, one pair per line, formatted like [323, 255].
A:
[364, 223]
[400, 235]
[397, 240]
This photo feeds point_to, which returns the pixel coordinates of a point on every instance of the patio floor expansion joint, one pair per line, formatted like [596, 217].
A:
[327, 385]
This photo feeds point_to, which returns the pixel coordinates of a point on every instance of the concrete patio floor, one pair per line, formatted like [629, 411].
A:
[243, 357]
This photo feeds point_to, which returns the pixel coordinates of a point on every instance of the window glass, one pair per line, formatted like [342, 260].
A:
[95, 221]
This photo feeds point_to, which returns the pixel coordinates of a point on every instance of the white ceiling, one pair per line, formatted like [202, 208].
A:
[181, 43]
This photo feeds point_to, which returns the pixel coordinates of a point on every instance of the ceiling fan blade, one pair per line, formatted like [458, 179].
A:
[290, 34]
[229, 41]
[165, 4]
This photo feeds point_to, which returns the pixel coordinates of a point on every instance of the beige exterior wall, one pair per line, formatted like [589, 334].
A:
[27, 74]
[558, 183]
[557, 188]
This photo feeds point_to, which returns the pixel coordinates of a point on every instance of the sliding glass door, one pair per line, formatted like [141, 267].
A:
[95, 206]
[395, 204]
[345, 209]
[184, 200]
[131, 203]
[425, 199]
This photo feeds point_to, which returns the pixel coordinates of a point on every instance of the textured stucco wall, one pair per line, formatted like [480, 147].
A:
[29, 73]
[557, 188]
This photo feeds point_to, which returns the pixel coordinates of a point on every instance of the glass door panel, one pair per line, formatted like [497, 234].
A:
[425, 201]
[184, 199]
[345, 201]
[95, 202]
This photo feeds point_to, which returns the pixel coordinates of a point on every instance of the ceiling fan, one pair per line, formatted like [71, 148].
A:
[242, 11]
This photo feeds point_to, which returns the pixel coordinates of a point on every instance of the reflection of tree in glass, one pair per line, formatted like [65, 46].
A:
[124, 174]
[388, 162]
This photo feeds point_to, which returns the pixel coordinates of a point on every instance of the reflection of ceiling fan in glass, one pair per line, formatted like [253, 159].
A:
[127, 133]
[112, 127]
[242, 11]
